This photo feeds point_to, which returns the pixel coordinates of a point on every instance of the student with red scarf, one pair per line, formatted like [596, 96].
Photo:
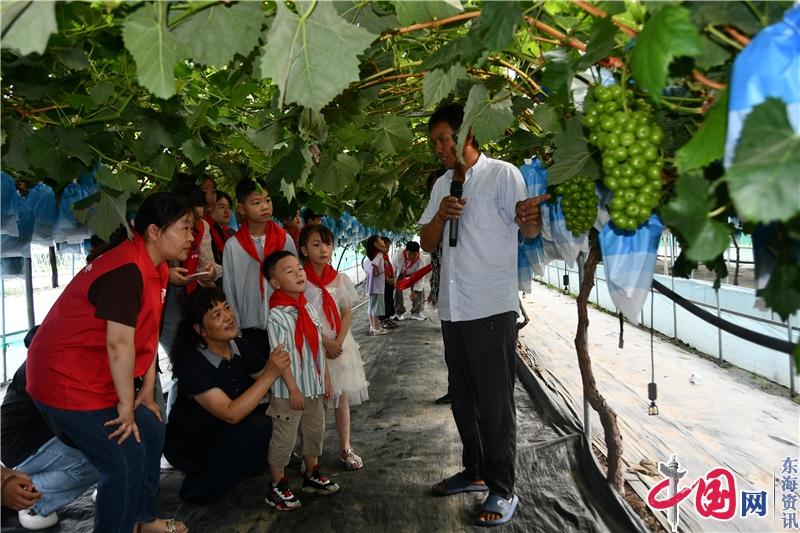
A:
[387, 321]
[218, 219]
[101, 333]
[297, 396]
[244, 285]
[332, 295]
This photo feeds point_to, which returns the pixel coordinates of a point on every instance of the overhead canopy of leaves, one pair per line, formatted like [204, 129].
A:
[330, 100]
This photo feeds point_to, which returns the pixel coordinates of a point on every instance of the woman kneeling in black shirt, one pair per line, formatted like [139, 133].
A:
[217, 429]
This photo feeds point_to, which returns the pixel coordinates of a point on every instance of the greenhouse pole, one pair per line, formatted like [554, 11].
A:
[29, 292]
[719, 330]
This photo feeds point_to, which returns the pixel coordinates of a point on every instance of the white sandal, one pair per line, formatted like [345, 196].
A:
[350, 460]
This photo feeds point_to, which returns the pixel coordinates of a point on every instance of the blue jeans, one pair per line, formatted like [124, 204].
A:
[60, 473]
[129, 472]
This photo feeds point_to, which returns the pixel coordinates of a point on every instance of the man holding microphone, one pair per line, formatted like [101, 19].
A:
[475, 211]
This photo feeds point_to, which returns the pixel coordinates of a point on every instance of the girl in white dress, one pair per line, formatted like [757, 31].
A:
[331, 294]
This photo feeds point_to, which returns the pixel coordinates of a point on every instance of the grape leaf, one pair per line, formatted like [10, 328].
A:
[264, 139]
[365, 14]
[764, 179]
[101, 92]
[547, 118]
[487, 117]
[214, 35]
[292, 167]
[195, 150]
[601, 42]
[708, 144]
[668, 34]
[439, 83]
[153, 47]
[74, 58]
[105, 216]
[783, 289]
[333, 176]
[392, 135]
[497, 24]
[411, 11]
[465, 49]
[312, 125]
[712, 55]
[572, 155]
[687, 214]
[30, 25]
[120, 181]
[312, 57]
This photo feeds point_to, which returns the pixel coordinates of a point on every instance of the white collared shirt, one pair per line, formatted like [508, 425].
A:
[479, 274]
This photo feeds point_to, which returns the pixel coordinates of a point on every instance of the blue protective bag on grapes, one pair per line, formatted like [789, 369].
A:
[68, 229]
[42, 200]
[768, 67]
[530, 254]
[9, 206]
[629, 259]
[19, 246]
[558, 243]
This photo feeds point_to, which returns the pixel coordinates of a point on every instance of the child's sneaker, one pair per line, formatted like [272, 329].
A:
[281, 497]
[317, 483]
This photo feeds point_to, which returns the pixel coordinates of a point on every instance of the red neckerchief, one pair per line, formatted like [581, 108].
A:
[219, 233]
[388, 268]
[329, 306]
[275, 239]
[192, 261]
[305, 329]
[295, 235]
[406, 264]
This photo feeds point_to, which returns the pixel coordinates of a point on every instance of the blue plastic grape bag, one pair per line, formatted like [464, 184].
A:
[629, 259]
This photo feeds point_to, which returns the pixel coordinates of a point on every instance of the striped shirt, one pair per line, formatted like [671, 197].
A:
[280, 326]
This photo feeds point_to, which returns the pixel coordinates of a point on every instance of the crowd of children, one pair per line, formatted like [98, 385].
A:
[258, 328]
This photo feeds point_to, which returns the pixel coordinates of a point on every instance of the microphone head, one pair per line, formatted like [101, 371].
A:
[456, 188]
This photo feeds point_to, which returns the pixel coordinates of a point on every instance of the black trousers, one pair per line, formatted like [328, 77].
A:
[388, 301]
[481, 356]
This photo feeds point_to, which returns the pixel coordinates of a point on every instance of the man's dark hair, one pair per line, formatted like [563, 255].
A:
[308, 214]
[412, 246]
[453, 114]
[268, 266]
[246, 187]
[192, 193]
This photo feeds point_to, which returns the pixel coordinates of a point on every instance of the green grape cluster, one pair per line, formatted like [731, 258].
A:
[630, 140]
[579, 203]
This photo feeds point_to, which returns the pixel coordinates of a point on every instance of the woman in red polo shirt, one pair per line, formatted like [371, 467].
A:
[101, 333]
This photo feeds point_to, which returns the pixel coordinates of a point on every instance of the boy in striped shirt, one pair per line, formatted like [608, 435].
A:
[297, 397]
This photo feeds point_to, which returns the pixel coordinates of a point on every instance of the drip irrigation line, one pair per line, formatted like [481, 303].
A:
[743, 333]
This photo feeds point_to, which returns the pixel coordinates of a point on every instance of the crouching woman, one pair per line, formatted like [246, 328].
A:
[218, 430]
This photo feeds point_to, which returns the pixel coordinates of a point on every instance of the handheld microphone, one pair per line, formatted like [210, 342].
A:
[456, 189]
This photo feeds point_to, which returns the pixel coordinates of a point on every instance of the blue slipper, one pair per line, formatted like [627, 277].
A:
[457, 484]
[499, 505]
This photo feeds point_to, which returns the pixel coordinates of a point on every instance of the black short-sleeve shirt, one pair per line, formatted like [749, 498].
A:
[201, 371]
[117, 295]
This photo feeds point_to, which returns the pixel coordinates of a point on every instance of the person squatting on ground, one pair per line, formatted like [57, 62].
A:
[101, 333]
[407, 262]
[258, 236]
[217, 427]
[43, 471]
[478, 303]
[331, 295]
[297, 397]
[375, 283]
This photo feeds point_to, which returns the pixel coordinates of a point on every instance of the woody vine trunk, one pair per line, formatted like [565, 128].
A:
[608, 417]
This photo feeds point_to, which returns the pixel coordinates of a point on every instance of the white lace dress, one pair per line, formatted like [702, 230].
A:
[347, 370]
